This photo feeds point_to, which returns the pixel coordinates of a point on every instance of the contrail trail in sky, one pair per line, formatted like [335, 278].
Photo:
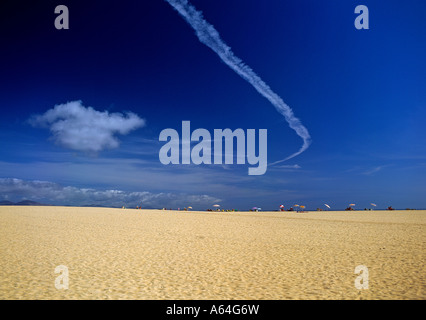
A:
[208, 35]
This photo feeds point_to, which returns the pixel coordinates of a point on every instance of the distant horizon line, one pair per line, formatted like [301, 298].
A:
[31, 203]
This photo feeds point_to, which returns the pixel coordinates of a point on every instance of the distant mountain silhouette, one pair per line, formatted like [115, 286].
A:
[21, 203]
[6, 203]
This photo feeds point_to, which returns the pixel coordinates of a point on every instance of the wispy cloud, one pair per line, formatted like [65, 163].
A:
[81, 128]
[53, 193]
[373, 170]
[289, 167]
[366, 170]
[209, 36]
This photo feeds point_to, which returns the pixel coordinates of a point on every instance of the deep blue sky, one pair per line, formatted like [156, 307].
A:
[360, 93]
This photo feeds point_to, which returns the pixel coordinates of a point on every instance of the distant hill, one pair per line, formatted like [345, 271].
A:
[21, 203]
[6, 203]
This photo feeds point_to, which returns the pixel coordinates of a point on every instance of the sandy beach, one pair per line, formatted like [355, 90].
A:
[154, 254]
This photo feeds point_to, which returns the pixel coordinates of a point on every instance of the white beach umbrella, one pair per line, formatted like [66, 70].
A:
[373, 204]
[327, 205]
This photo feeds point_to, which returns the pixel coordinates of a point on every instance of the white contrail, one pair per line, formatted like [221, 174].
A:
[208, 35]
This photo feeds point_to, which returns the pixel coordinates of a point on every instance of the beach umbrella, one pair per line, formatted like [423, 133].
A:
[254, 208]
[373, 204]
[259, 208]
[216, 205]
[281, 206]
[352, 204]
[296, 205]
[303, 207]
[189, 207]
[327, 205]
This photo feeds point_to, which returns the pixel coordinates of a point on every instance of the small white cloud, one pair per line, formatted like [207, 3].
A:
[81, 128]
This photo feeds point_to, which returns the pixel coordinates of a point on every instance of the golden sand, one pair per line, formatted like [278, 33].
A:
[150, 254]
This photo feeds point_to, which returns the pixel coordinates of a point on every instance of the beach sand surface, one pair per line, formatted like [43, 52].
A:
[155, 254]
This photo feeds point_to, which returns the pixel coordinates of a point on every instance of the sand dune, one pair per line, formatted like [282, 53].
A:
[150, 254]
